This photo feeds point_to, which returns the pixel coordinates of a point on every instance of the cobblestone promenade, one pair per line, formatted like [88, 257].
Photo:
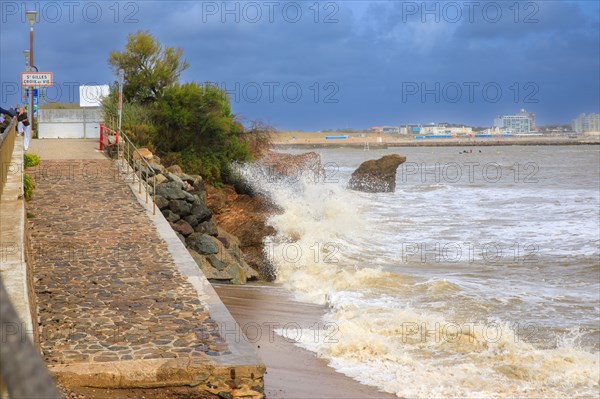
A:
[106, 285]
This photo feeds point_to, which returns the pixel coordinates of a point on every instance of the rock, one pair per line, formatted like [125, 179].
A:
[230, 238]
[170, 190]
[158, 168]
[222, 265]
[207, 269]
[189, 197]
[180, 207]
[170, 216]
[216, 263]
[237, 275]
[192, 220]
[187, 178]
[245, 217]
[377, 176]
[202, 243]
[156, 160]
[146, 172]
[175, 178]
[161, 202]
[201, 212]
[174, 169]
[145, 153]
[208, 227]
[182, 227]
[182, 238]
[160, 179]
[294, 166]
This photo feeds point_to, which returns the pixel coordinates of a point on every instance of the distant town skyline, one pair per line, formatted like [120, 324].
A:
[337, 64]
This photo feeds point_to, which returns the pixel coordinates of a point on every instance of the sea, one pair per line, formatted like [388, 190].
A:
[478, 277]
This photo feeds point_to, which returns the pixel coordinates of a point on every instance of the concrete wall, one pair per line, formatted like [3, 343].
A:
[77, 123]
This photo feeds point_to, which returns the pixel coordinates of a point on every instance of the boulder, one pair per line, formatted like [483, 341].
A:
[173, 177]
[192, 220]
[145, 153]
[170, 216]
[202, 243]
[237, 274]
[294, 166]
[182, 227]
[208, 227]
[223, 266]
[180, 207]
[201, 212]
[161, 202]
[160, 178]
[170, 190]
[230, 238]
[377, 176]
[158, 168]
[189, 197]
[146, 172]
[216, 262]
[174, 169]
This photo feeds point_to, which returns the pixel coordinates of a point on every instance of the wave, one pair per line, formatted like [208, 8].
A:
[399, 331]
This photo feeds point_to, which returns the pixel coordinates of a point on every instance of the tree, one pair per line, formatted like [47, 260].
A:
[149, 67]
[198, 130]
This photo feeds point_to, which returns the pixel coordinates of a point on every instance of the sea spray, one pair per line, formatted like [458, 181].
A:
[400, 332]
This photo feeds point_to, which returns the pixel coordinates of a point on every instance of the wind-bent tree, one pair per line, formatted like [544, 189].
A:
[149, 67]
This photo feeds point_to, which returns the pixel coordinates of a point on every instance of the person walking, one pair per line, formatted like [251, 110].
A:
[24, 127]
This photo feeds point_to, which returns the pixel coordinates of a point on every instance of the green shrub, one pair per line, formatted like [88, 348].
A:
[198, 131]
[28, 186]
[31, 160]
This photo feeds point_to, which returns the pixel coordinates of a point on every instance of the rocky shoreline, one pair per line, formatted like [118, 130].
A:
[182, 199]
[224, 228]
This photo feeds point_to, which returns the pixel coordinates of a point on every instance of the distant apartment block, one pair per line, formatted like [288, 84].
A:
[445, 130]
[432, 129]
[587, 124]
[522, 122]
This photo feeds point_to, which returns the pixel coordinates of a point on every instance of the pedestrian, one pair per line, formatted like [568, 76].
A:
[21, 118]
[24, 127]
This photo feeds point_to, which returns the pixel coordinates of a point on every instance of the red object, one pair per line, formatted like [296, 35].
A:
[101, 136]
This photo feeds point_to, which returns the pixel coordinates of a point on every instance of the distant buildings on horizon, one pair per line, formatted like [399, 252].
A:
[586, 124]
[523, 122]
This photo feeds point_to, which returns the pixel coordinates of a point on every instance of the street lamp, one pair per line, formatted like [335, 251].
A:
[26, 55]
[31, 17]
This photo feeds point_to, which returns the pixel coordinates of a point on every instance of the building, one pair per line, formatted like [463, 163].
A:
[587, 124]
[390, 130]
[444, 129]
[522, 122]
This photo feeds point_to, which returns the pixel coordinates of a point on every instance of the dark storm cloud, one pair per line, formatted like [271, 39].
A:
[355, 64]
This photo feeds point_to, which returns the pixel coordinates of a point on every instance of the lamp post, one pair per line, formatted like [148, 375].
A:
[32, 19]
[26, 55]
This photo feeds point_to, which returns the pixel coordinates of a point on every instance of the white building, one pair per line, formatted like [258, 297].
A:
[522, 122]
[587, 124]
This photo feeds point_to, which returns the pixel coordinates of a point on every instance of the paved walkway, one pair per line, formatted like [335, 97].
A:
[110, 288]
[106, 284]
[62, 149]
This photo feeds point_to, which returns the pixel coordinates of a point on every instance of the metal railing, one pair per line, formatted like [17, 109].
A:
[7, 144]
[132, 163]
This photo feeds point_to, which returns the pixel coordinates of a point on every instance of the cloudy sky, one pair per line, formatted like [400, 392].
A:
[330, 64]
